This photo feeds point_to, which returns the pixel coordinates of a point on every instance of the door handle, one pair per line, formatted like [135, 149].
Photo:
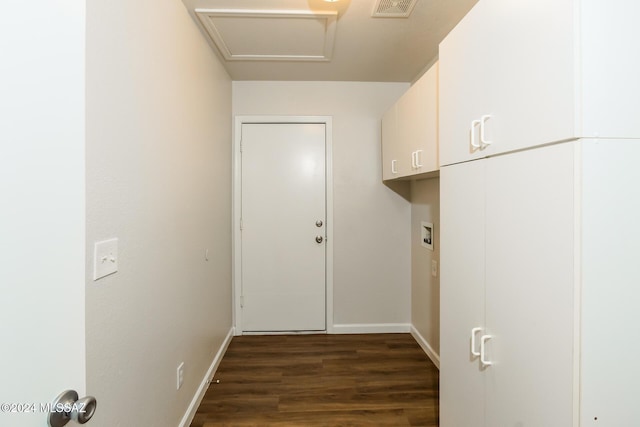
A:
[474, 331]
[67, 407]
[319, 239]
[394, 169]
[483, 360]
[483, 141]
[319, 223]
[418, 164]
[474, 123]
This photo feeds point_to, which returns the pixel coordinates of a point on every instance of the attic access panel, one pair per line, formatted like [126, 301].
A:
[270, 35]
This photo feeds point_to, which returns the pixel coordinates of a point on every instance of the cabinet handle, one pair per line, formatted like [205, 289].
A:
[483, 340]
[413, 160]
[474, 123]
[474, 331]
[418, 164]
[483, 141]
[394, 169]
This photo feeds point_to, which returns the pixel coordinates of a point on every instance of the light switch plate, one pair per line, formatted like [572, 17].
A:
[105, 258]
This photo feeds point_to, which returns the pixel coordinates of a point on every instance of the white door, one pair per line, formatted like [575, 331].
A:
[507, 268]
[495, 64]
[529, 287]
[462, 269]
[418, 125]
[283, 224]
[42, 245]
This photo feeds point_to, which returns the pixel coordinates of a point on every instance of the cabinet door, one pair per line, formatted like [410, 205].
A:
[511, 62]
[462, 293]
[389, 145]
[530, 287]
[408, 128]
[422, 137]
[463, 88]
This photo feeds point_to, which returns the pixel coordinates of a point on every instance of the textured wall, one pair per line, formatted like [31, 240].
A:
[159, 179]
[425, 289]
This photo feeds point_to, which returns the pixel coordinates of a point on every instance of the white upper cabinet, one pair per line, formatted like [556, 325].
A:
[418, 124]
[516, 74]
[410, 130]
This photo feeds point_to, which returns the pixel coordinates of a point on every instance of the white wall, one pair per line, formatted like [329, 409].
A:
[42, 205]
[371, 234]
[425, 289]
[159, 179]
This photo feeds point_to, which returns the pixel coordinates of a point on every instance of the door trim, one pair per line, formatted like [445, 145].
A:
[236, 210]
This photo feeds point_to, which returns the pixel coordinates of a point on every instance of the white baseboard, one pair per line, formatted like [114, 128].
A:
[197, 398]
[371, 328]
[435, 358]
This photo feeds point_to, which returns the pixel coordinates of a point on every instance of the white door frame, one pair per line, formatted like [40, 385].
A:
[237, 199]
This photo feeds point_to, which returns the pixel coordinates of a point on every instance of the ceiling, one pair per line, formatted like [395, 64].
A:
[318, 40]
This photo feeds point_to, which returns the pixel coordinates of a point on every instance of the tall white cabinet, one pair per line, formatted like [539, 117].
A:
[539, 144]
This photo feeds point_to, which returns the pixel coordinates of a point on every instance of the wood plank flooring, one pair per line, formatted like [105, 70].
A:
[322, 380]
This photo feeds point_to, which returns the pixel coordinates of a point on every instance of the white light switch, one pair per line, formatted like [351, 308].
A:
[434, 268]
[105, 258]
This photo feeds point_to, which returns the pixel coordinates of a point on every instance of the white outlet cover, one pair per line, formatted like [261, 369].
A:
[105, 258]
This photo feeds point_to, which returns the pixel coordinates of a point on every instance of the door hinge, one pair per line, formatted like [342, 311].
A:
[242, 301]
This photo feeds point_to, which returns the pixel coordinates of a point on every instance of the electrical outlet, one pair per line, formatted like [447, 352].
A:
[434, 268]
[180, 375]
[105, 258]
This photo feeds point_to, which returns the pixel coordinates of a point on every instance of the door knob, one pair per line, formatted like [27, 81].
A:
[68, 407]
[319, 239]
[319, 223]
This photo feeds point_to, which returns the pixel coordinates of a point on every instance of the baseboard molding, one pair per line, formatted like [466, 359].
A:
[371, 328]
[435, 358]
[197, 398]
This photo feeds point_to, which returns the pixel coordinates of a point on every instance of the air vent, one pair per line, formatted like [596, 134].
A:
[393, 8]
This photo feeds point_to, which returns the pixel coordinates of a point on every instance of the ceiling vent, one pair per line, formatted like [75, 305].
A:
[393, 8]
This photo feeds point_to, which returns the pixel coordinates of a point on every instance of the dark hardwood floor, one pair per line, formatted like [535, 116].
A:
[322, 380]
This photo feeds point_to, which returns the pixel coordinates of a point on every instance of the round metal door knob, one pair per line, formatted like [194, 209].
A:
[67, 407]
[319, 223]
[319, 239]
